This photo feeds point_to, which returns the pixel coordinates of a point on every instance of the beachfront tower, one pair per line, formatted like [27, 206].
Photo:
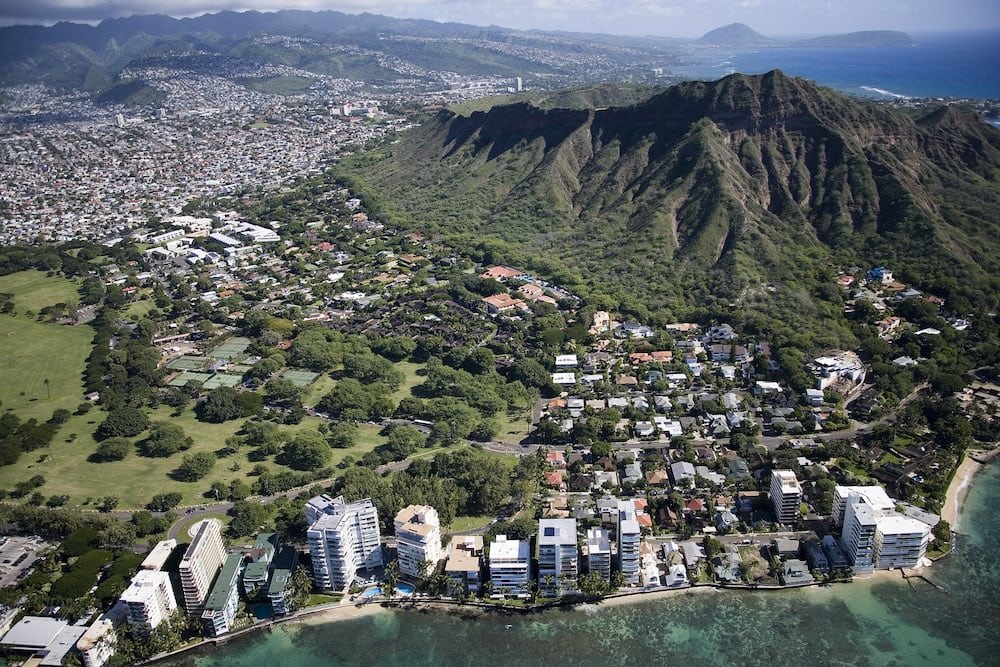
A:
[418, 539]
[558, 557]
[786, 496]
[343, 538]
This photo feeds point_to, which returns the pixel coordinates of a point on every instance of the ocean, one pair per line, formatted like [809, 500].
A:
[959, 65]
[875, 622]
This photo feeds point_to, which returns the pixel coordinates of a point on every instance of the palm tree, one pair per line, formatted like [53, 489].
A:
[390, 578]
[48, 391]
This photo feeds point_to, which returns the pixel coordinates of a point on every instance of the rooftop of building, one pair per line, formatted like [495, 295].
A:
[788, 481]
[556, 531]
[143, 585]
[464, 552]
[874, 496]
[284, 565]
[504, 549]
[218, 598]
[158, 556]
[205, 529]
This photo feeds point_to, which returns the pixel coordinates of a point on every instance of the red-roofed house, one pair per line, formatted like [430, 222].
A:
[557, 459]
[499, 303]
[501, 273]
[695, 505]
[554, 479]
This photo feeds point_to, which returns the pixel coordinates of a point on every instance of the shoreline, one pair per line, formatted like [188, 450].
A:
[958, 489]
[956, 494]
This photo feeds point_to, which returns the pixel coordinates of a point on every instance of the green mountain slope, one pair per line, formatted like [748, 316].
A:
[709, 190]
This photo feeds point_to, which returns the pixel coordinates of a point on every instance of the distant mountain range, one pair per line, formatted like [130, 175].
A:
[741, 36]
[363, 47]
[710, 189]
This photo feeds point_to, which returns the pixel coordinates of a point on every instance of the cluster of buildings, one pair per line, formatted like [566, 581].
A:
[96, 174]
[346, 549]
[344, 542]
[203, 582]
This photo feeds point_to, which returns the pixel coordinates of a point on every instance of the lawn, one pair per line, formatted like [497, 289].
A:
[462, 524]
[513, 426]
[136, 479]
[139, 309]
[38, 351]
[412, 379]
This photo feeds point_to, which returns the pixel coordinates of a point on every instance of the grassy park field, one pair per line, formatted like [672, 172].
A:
[34, 351]
[136, 479]
[42, 368]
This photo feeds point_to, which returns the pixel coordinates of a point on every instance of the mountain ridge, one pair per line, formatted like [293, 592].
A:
[724, 183]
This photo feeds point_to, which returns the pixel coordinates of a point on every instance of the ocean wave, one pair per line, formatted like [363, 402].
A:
[887, 93]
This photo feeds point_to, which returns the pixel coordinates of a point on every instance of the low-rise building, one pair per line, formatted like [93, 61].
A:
[464, 564]
[280, 589]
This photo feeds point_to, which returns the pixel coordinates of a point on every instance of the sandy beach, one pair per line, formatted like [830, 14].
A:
[342, 612]
[652, 596]
[959, 487]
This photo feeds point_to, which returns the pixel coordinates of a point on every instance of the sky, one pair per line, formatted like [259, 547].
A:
[666, 18]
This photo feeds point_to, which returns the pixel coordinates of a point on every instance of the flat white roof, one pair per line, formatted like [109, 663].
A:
[156, 558]
[504, 549]
[902, 525]
[873, 495]
[34, 632]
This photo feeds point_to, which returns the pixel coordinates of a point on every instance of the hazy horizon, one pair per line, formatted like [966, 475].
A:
[677, 18]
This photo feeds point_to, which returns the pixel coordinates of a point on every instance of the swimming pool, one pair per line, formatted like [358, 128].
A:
[402, 588]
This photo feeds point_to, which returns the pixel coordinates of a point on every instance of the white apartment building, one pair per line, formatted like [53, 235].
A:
[201, 562]
[343, 538]
[786, 496]
[629, 539]
[418, 539]
[875, 536]
[599, 552]
[463, 566]
[149, 600]
[98, 643]
[509, 567]
[558, 557]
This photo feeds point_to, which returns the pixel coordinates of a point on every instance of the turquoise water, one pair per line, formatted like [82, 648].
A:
[944, 65]
[859, 624]
[402, 588]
